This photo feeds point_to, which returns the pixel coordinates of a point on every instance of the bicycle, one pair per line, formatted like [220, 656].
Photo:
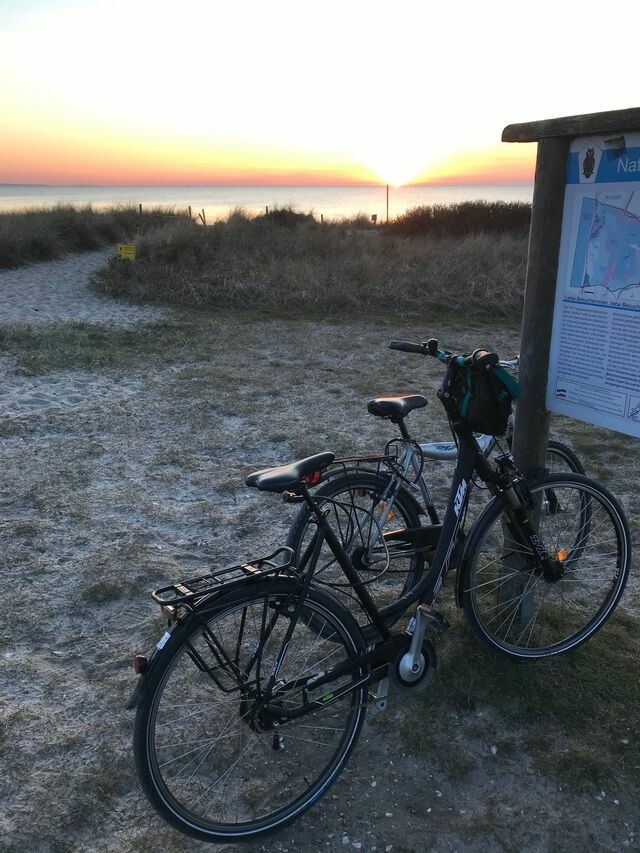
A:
[252, 700]
[369, 496]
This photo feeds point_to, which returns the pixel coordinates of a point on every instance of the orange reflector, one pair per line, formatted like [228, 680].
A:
[383, 507]
[562, 554]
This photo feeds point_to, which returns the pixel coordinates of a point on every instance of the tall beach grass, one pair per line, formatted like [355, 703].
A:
[289, 263]
[43, 233]
[468, 257]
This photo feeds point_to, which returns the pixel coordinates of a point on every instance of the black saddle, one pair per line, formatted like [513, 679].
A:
[287, 478]
[395, 408]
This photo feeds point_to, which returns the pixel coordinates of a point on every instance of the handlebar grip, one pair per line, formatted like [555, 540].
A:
[407, 346]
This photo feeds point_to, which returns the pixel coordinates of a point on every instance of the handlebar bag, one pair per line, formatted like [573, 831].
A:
[484, 398]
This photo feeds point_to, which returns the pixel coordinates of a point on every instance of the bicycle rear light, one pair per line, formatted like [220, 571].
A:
[140, 664]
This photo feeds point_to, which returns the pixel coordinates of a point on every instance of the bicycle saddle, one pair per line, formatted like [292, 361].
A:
[286, 478]
[395, 408]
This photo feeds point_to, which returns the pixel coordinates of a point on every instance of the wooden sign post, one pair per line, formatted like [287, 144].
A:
[554, 137]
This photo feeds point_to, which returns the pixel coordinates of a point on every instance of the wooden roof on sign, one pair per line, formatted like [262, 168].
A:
[582, 125]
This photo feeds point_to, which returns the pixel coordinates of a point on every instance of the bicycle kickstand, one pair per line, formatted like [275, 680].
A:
[425, 617]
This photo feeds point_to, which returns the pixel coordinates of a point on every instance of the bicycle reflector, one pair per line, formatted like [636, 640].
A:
[140, 664]
[562, 555]
[313, 478]
[170, 612]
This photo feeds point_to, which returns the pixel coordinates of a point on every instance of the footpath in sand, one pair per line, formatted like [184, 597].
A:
[58, 291]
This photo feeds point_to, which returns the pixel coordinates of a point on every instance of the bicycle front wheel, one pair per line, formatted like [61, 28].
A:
[508, 601]
[360, 517]
[208, 754]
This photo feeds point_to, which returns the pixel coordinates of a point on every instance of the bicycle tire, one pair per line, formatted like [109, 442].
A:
[560, 458]
[358, 494]
[513, 608]
[204, 762]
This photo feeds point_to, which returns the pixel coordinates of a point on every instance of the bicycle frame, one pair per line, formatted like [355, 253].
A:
[470, 458]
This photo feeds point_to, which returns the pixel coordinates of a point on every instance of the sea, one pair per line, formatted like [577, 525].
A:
[216, 202]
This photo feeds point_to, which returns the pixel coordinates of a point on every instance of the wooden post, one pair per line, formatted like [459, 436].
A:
[532, 419]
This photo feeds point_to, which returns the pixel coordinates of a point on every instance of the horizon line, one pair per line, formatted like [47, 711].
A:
[381, 185]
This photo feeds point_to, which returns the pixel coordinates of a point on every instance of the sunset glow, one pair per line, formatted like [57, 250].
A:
[102, 91]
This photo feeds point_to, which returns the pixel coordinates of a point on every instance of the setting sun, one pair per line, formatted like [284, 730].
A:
[397, 163]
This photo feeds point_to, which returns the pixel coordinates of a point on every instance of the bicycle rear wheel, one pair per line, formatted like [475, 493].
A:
[510, 604]
[208, 757]
[360, 519]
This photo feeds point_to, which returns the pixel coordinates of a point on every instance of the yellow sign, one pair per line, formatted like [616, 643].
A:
[127, 251]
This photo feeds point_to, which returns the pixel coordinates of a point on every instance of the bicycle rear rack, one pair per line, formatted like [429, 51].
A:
[188, 591]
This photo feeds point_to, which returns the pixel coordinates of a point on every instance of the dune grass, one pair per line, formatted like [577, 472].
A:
[43, 233]
[291, 264]
[437, 260]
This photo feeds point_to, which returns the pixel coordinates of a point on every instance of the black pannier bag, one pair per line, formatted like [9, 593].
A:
[484, 397]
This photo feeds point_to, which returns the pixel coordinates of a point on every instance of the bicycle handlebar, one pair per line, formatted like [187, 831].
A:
[478, 358]
[406, 346]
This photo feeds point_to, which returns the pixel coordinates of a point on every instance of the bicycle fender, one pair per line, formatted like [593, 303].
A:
[178, 630]
[415, 504]
[143, 679]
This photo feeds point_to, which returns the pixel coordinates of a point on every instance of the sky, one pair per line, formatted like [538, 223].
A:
[283, 92]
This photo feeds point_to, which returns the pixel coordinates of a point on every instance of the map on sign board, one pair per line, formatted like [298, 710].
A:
[594, 367]
[606, 261]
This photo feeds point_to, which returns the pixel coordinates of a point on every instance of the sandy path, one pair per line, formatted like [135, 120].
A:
[59, 291]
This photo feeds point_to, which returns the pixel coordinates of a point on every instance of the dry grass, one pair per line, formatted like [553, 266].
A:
[42, 233]
[295, 265]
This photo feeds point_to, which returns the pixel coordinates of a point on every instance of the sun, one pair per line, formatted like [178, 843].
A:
[398, 162]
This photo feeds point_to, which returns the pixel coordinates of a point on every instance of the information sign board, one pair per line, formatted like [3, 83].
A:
[594, 360]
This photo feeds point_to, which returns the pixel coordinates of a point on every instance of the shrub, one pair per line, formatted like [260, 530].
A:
[463, 219]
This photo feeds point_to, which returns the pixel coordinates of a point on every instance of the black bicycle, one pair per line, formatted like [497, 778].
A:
[370, 496]
[252, 700]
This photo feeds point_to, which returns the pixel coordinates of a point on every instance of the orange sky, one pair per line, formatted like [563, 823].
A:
[64, 159]
[108, 92]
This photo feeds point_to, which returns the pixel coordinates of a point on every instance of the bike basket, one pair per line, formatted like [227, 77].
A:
[484, 396]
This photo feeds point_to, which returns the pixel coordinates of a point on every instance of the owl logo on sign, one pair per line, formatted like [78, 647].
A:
[589, 162]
